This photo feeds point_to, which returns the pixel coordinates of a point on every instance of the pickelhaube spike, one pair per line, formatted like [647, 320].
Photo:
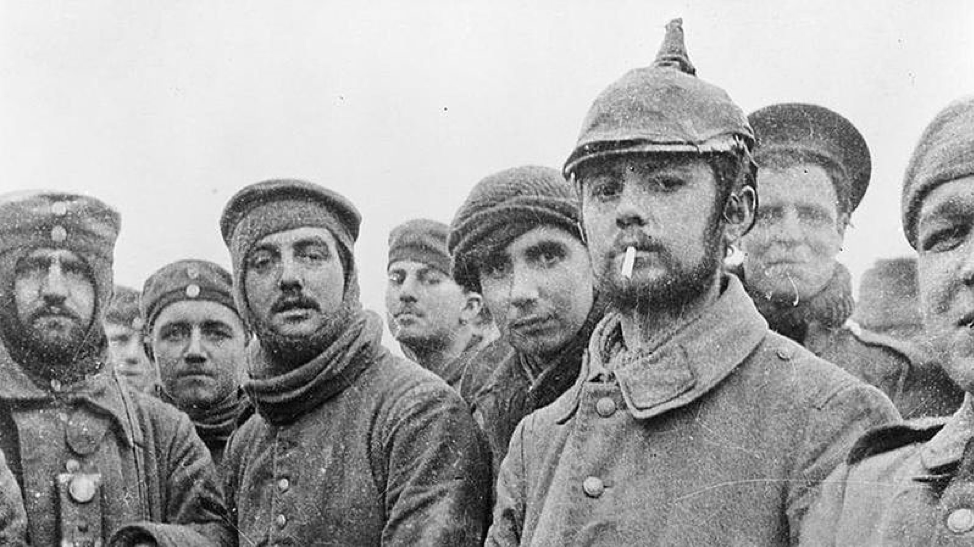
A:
[673, 50]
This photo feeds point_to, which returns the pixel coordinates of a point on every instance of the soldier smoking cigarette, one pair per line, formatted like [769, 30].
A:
[628, 262]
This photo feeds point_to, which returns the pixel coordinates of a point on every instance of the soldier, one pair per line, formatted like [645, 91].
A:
[691, 423]
[350, 444]
[198, 342]
[126, 350]
[814, 171]
[94, 460]
[434, 319]
[913, 484]
[516, 240]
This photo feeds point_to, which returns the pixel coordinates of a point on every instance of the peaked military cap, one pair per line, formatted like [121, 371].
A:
[818, 131]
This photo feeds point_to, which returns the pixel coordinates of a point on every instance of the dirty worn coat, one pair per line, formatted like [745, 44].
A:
[389, 456]
[153, 466]
[721, 436]
[13, 518]
[902, 485]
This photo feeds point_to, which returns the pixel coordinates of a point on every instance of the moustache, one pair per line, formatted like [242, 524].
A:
[412, 310]
[294, 302]
[637, 240]
[59, 311]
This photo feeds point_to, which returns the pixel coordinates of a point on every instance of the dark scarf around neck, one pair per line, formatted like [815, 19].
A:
[829, 308]
[281, 399]
[214, 424]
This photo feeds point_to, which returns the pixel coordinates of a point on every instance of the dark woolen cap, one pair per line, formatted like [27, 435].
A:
[189, 279]
[888, 295]
[58, 220]
[945, 152]
[420, 240]
[663, 108]
[501, 208]
[124, 309]
[820, 133]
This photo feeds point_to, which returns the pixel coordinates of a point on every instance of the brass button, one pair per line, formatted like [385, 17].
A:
[784, 354]
[58, 234]
[192, 290]
[593, 487]
[56, 385]
[280, 521]
[605, 407]
[960, 521]
[82, 489]
[59, 209]
[283, 485]
[73, 466]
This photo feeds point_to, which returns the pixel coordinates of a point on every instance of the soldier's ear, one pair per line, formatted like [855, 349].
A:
[472, 308]
[739, 211]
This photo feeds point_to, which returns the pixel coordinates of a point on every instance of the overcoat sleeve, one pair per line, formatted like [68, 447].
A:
[13, 517]
[821, 521]
[194, 512]
[437, 471]
[835, 424]
[511, 494]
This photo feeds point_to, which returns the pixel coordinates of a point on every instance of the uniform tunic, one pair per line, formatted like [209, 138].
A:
[390, 457]
[13, 519]
[721, 436]
[150, 464]
[902, 485]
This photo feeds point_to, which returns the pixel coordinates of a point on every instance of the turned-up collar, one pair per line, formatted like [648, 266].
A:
[101, 392]
[947, 446]
[686, 366]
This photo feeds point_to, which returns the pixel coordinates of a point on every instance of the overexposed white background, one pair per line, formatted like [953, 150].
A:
[165, 109]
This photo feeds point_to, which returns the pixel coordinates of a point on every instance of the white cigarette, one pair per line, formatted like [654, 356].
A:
[628, 262]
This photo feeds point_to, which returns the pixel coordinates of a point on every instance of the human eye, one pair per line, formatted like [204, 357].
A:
[495, 267]
[174, 333]
[432, 278]
[944, 237]
[547, 255]
[216, 332]
[396, 277]
[32, 265]
[261, 260]
[603, 187]
[814, 216]
[668, 183]
[768, 215]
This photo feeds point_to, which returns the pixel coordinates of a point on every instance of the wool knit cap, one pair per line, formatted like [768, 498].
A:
[663, 108]
[58, 220]
[420, 240]
[124, 309]
[945, 152]
[888, 295]
[280, 205]
[503, 207]
[821, 133]
[189, 279]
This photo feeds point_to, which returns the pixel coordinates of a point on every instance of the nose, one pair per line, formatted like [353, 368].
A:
[629, 211]
[133, 351]
[55, 285]
[194, 352]
[967, 267]
[407, 291]
[290, 274]
[524, 287]
[788, 229]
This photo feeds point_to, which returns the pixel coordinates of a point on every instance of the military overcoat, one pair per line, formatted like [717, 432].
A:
[721, 436]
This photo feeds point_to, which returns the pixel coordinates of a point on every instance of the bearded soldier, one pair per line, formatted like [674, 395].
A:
[350, 445]
[94, 460]
[690, 423]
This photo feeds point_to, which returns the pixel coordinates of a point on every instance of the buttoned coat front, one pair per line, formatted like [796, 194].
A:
[391, 458]
[901, 486]
[721, 436]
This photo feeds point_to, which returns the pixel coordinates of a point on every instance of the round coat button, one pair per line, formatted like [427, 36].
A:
[59, 209]
[605, 407]
[82, 489]
[73, 466]
[283, 485]
[58, 234]
[961, 520]
[192, 290]
[593, 487]
[281, 521]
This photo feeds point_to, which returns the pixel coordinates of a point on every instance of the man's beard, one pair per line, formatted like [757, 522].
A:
[678, 286]
[288, 352]
[53, 341]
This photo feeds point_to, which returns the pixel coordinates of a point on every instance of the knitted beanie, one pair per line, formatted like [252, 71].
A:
[420, 240]
[888, 295]
[503, 207]
[124, 309]
[945, 152]
[188, 279]
[276, 206]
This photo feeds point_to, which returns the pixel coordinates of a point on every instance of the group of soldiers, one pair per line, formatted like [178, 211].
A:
[654, 345]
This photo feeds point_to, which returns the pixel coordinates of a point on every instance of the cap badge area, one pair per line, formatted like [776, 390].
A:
[192, 290]
[58, 234]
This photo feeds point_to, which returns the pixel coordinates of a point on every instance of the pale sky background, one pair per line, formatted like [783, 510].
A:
[165, 109]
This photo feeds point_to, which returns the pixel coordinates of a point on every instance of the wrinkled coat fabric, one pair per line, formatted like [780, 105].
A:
[157, 477]
[13, 518]
[721, 436]
[389, 456]
[904, 493]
